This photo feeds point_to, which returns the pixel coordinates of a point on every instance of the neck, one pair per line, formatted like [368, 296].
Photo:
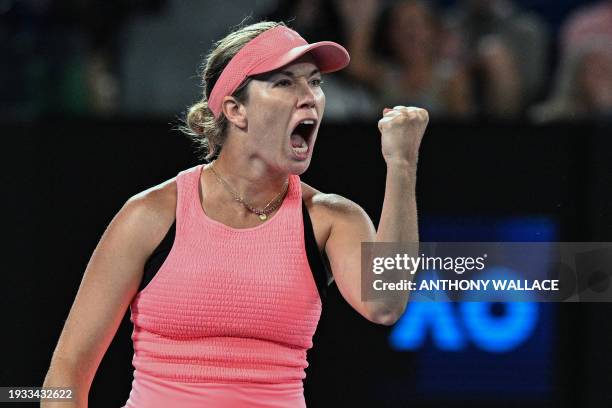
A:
[251, 178]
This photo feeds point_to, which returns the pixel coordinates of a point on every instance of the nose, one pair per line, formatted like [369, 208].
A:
[306, 96]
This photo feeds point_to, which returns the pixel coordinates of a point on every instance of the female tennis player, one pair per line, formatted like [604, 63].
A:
[221, 266]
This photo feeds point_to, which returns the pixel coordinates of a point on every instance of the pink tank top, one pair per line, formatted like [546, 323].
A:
[228, 318]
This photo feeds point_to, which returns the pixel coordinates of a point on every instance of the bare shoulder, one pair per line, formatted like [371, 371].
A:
[159, 200]
[332, 207]
[336, 216]
[150, 213]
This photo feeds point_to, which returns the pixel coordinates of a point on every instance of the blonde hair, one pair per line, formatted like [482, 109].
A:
[200, 125]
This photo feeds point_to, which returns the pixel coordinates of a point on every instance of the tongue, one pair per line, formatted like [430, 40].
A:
[297, 140]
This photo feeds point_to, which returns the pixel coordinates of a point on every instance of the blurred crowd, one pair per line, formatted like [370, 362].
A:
[462, 59]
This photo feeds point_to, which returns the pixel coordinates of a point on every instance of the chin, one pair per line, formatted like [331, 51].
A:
[298, 167]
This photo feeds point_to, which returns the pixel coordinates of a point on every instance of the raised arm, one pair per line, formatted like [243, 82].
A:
[111, 280]
[401, 133]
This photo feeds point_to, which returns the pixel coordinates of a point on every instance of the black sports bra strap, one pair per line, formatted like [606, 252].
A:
[315, 258]
[158, 257]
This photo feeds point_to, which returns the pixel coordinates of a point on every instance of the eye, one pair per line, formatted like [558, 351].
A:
[283, 83]
[316, 82]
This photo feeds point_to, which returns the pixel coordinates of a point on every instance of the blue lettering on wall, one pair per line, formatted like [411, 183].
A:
[451, 328]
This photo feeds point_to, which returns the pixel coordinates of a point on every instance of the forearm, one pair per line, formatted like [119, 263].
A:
[398, 220]
[398, 223]
[402, 129]
[64, 374]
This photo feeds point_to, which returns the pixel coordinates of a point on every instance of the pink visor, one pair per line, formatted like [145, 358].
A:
[271, 50]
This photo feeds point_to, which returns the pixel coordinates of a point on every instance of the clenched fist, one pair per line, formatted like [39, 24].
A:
[401, 130]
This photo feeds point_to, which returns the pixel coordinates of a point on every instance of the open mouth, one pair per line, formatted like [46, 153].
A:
[301, 136]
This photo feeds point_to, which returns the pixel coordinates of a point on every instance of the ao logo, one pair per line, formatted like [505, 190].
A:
[452, 328]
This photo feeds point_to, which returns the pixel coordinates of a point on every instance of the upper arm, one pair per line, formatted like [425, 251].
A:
[350, 227]
[111, 280]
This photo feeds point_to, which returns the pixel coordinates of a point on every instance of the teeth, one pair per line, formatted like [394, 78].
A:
[307, 122]
[302, 149]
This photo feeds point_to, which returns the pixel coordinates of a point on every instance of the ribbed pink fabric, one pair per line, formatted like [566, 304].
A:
[229, 316]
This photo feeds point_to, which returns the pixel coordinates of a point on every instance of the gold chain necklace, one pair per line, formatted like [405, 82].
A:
[261, 213]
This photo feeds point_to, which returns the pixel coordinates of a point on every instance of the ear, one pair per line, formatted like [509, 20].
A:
[234, 111]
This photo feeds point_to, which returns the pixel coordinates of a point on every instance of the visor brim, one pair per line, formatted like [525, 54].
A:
[329, 57]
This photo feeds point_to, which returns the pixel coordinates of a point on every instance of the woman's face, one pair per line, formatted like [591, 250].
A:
[284, 111]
